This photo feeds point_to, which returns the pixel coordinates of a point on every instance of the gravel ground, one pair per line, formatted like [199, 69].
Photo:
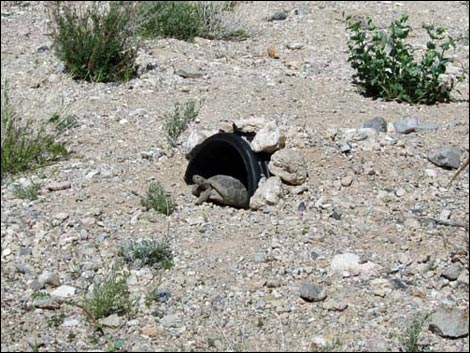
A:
[375, 242]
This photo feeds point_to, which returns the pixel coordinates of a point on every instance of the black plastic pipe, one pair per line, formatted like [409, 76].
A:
[228, 154]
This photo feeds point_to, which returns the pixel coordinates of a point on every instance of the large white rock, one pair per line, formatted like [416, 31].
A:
[250, 124]
[196, 137]
[63, 292]
[289, 165]
[269, 139]
[269, 192]
[345, 263]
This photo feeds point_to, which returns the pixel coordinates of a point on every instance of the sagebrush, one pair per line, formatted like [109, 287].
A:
[186, 20]
[147, 252]
[176, 122]
[96, 40]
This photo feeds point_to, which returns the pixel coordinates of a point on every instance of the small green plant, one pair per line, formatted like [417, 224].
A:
[386, 66]
[29, 191]
[62, 123]
[35, 343]
[56, 320]
[150, 297]
[147, 252]
[117, 345]
[24, 144]
[112, 296]
[158, 199]
[410, 338]
[175, 123]
[431, 265]
[39, 295]
[95, 42]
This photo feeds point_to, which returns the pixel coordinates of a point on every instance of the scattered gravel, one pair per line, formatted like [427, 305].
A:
[371, 240]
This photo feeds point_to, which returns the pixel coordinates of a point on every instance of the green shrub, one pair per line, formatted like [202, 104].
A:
[175, 123]
[112, 296]
[147, 252]
[386, 66]
[175, 19]
[96, 43]
[187, 19]
[409, 340]
[156, 198]
[25, 145]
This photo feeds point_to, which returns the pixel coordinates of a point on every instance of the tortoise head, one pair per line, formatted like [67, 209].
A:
[199, 180]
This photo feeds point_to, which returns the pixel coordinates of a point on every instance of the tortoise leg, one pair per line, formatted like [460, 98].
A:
[204, 196]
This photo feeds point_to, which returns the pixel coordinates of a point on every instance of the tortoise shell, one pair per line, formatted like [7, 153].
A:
[222, 189]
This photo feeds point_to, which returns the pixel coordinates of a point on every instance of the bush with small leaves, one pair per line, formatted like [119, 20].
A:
[147, 252]
[157, 199]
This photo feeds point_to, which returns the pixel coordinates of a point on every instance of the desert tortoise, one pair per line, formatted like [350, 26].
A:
[222, 189]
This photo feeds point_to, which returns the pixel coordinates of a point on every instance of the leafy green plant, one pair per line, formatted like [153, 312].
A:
[24, 144]
[95, 42]
[109, 297]
[175, 123]
[157, 199]
[147, 252]
[386, 66]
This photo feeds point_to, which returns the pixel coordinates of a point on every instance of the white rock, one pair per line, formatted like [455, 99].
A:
[70, 323]
[295, 45]
[113, 321]
[349, 134]
[431, 173]
[250, 124]
[289, 165]
[369, 269]
[57, 186]
[346, 181]
[61, 216]
[195, 138]
[64, 292]
[381, 287]
[345, 262]
[269, 192]
[269, 139]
